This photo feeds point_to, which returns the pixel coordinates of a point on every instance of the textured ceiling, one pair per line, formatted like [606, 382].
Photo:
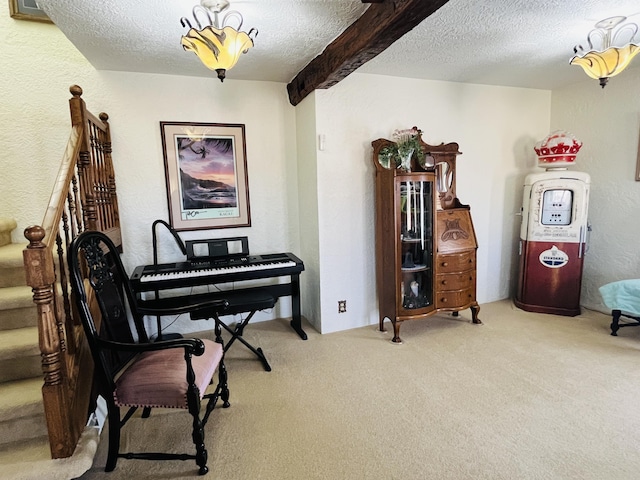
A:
[521, 43]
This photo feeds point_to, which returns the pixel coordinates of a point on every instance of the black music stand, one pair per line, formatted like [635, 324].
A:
[183, 249]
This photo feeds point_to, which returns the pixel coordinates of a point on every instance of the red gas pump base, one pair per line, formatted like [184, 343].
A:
[568, 312]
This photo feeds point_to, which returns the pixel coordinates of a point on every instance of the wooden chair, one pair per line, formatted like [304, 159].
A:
[131, 371]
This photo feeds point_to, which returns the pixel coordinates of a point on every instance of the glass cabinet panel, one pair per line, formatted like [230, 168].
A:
[416, 231]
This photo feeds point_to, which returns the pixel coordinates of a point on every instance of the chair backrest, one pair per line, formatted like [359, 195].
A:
[104, 299]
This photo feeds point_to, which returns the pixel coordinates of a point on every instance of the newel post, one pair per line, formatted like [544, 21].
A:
[40, 274]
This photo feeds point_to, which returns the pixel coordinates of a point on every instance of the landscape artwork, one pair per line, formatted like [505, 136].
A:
[206, 175]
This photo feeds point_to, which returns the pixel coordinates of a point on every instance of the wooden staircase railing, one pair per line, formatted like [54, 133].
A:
[83, 198]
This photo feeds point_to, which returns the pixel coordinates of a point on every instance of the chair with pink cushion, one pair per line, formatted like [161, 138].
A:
[131, 371]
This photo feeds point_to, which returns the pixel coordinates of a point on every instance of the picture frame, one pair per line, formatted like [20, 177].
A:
[27, 10]
[206, 175]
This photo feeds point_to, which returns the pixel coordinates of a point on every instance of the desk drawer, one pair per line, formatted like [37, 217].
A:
[457, 299]
[455, 281]
[458, 262]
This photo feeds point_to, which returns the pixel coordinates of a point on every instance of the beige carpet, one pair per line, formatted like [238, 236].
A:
[524, 396]
[33, 460]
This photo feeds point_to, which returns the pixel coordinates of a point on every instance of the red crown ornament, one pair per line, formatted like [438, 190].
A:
[558, 149]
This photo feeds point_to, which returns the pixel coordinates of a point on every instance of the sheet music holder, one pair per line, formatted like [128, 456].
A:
[217, 248]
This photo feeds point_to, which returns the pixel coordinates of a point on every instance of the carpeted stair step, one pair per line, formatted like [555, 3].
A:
[19, 354]
[17, 309]
[12, 265]
[21, 412]
[7, 225]
[32, 455]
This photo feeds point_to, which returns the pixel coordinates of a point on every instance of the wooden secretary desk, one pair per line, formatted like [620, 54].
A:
[425, 241]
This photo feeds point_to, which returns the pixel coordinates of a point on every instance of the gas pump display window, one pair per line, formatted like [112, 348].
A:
[557, 207]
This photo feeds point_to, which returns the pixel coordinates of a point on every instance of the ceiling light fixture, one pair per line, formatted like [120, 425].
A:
[217, 45]
[614, 52]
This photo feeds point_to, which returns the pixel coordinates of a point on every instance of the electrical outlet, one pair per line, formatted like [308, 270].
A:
[342, 306]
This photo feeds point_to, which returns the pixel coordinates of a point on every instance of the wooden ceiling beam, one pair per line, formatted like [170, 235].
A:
[380, 25]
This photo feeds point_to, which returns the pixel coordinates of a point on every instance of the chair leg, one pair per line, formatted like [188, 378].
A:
[224, 386]
[221, 392]
[114, 438]
[198, 437]
[217, 329]
[615, 322]
[193, 406]
[222, 370]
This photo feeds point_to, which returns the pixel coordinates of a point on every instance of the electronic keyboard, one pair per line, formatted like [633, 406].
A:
[206, 272]
[210, 271]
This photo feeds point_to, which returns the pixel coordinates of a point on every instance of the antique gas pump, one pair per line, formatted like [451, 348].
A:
[554, 230]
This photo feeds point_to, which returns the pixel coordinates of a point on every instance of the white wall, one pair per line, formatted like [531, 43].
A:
[268, 117]
[39, 66]
[495, 128]
[318, 204]
[308, 197]
[135, 114]
[607, 121]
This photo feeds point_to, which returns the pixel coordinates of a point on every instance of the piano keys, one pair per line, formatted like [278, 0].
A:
[209, 271]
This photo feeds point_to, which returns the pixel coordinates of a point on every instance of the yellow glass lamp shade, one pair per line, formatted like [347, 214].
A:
[218, 49]
[608, 63]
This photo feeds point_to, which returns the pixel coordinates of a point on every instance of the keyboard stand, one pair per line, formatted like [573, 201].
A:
[246, 300]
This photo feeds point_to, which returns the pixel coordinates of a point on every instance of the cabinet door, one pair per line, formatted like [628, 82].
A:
[416, 253]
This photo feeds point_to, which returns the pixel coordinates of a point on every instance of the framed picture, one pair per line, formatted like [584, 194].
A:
[27, 10]
[206, 172]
